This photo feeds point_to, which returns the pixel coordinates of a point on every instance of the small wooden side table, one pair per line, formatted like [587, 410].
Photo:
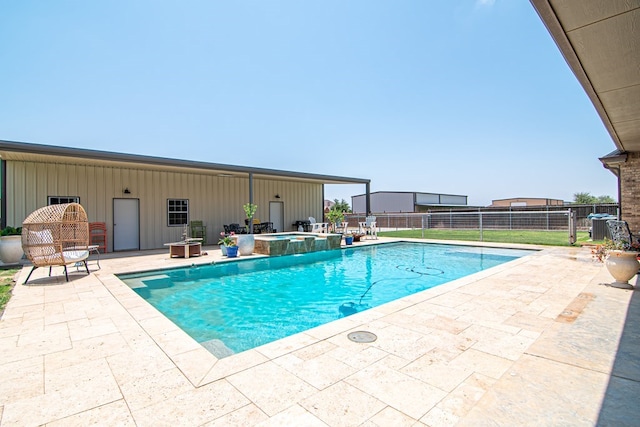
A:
[184, 249]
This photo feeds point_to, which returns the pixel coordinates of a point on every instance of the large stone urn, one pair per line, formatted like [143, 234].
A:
[622, 265]
[246, 243]
[11, 249]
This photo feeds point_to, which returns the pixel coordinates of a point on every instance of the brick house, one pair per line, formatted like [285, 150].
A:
[600, 41]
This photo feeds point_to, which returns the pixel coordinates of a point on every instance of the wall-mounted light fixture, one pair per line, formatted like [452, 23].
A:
[126, 191]
[277, 196]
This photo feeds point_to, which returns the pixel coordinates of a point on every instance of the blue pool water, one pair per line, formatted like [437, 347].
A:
[232, 307]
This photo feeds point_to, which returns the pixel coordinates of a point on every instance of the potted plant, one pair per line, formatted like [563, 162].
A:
[335, 216]
[226, 241]
[232, 249]
[357, 236]
[621, 260]
[11, 245]
[246, 242]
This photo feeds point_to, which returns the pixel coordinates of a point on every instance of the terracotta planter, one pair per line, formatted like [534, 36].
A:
[11, 249]
[622, 265]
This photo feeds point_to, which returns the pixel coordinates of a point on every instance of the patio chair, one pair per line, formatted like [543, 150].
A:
[317, 227]
[199, 230]
[56, 235]
[369, 227]
[237, 229]
[98, 235]
[343, 227]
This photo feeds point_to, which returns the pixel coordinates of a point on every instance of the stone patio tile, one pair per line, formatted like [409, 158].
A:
[248, 415]
[153, 388]
[15, 325]
[321, 371]
[314, 350]
[111, 414]
[342, 405]
[404, 393]
[157, 325]
[176, 342]
[64, 316]
[293, 416]
[546, 391]
[358, 358]
[231, 365]
[286, 345]
[105, 327]
[31, 344]
[21, 379]
[459, 402]
[68, 391]
[134, 364]
[331, 329]
[195, 407]
[451, 299]
[497, 342]
[528, 321]
[391, 417]
[87, 349]
[438, 373]
[195, 364]
[404, 343]
[50, 335]
[448, 346]
[271, 387]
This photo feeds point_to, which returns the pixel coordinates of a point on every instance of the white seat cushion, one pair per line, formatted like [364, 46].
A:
[75, 256]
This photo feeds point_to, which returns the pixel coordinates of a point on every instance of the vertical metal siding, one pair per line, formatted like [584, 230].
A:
[216, 200]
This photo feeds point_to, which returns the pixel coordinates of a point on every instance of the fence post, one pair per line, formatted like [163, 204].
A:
[481, 238]
[572, 227]
[422, 225]
[548, 217]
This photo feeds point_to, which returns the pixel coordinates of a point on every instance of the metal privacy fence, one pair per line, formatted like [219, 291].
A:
[556, 220]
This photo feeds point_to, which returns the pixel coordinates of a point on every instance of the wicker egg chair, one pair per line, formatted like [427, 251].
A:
[56, 235]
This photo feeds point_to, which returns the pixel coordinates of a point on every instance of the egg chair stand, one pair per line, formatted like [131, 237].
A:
[56, 235]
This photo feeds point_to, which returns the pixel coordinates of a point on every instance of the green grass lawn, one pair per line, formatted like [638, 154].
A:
[550, 238]
[6, 286]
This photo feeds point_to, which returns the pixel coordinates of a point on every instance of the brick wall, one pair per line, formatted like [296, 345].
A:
[630, 191]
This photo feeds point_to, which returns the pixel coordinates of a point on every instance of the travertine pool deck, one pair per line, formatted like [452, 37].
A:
[537, 341]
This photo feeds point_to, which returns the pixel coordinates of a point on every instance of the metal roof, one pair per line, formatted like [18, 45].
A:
[10, 150]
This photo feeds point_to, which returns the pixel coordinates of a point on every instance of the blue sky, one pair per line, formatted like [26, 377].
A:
[459, 97]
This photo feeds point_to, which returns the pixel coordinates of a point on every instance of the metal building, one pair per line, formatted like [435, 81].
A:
[145, 201]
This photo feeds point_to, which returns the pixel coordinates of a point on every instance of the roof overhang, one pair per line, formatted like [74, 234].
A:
[21, 151]
[600, 42]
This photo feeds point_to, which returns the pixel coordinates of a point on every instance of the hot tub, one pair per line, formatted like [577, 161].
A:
[295, 243]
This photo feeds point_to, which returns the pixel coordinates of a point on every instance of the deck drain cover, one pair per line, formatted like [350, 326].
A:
[362, 336]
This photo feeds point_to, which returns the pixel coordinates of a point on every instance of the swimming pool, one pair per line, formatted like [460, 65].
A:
[235, 306]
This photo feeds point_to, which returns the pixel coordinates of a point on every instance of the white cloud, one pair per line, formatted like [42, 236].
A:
[487, 3]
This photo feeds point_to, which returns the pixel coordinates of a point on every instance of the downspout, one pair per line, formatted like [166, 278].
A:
[250, 224]
[619, 192]
[3, 194]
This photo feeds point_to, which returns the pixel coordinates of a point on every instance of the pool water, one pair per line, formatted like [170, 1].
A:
[235, 306]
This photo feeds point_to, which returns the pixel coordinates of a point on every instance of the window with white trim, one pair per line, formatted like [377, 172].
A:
[58, 200]
[177, 212]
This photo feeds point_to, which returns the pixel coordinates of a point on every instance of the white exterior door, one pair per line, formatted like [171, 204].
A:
[126, 224]
[276, 215]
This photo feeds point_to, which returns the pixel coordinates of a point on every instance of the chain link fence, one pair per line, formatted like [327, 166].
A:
[551, 220]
